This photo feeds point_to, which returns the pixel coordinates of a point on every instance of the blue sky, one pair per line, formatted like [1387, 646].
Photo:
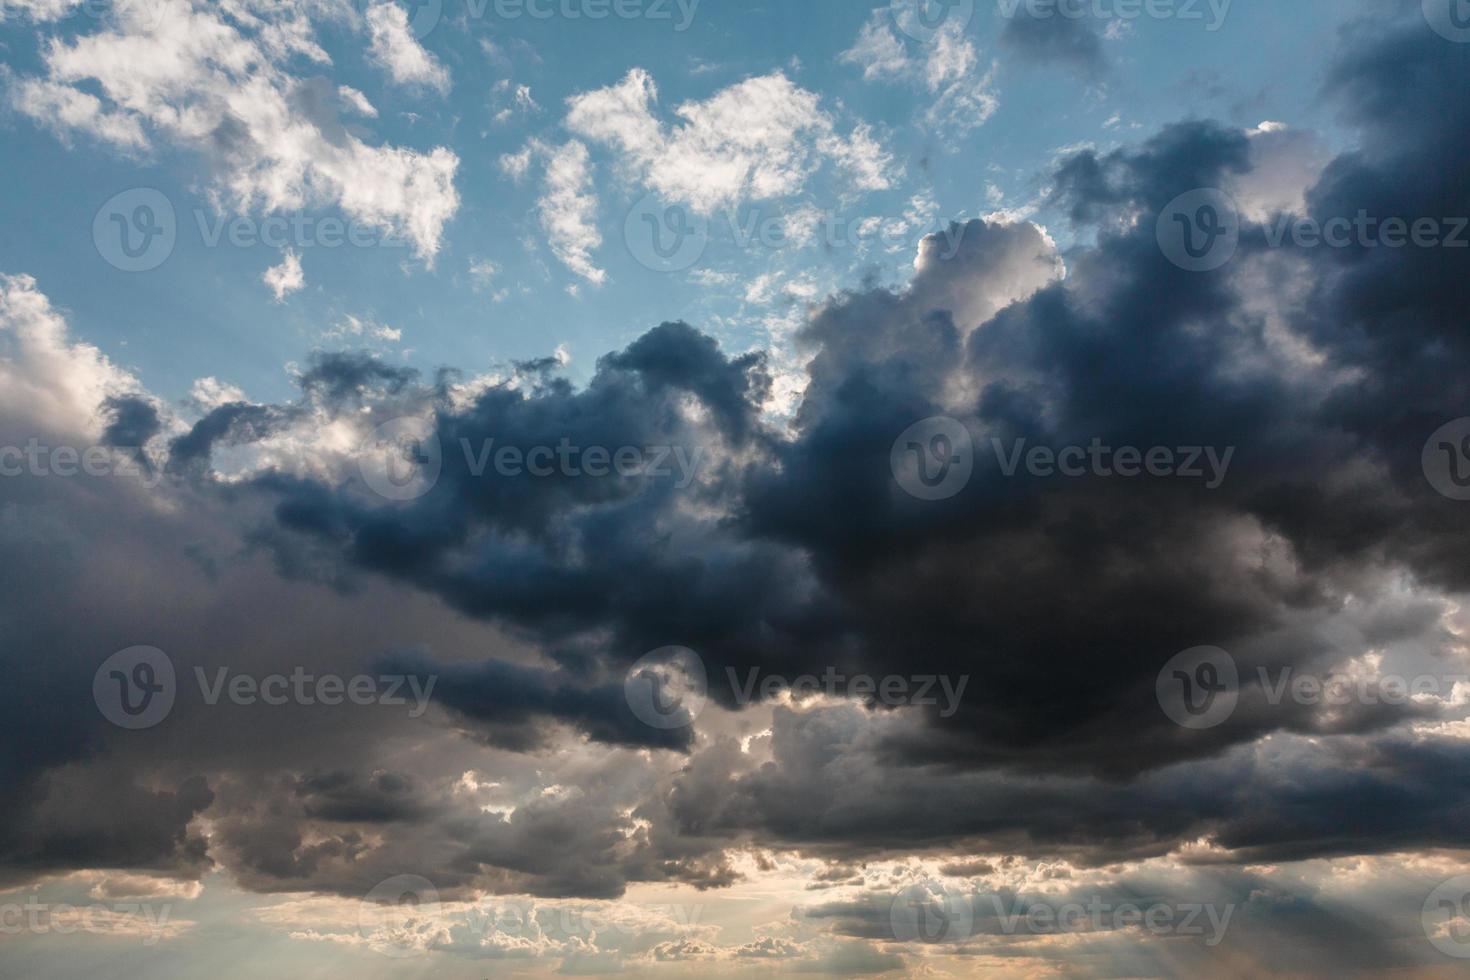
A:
[205, 312]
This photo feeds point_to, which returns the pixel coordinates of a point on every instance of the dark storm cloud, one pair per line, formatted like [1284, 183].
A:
[795, 551]
[1061, 599]
[1066, 41]
[133, 422]
[508, 701]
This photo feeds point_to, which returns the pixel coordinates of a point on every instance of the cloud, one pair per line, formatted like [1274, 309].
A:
[794, 550]
[947, 67]
[285, 278]
[567, 207]
[187, 73]
[1055, 40]
[396, 50]
[761, 138]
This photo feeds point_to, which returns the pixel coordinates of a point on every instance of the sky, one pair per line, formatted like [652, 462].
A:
[698, 487]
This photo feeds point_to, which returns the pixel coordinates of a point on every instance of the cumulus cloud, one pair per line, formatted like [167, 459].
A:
[396, 50]
[214, 80]
[758, 139]
[1058, 779]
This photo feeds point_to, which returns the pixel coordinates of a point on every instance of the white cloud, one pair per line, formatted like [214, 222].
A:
[210, 78]
[396, 50]
[1285, 163]
[567, 206]
[356, 101]
[878, 51]
[482, 273]
[352, 326]
[44, 376]
[758, 139]
[285, 278]
[947, 67]
[64, 108]
[210, 393]
[520, 100]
